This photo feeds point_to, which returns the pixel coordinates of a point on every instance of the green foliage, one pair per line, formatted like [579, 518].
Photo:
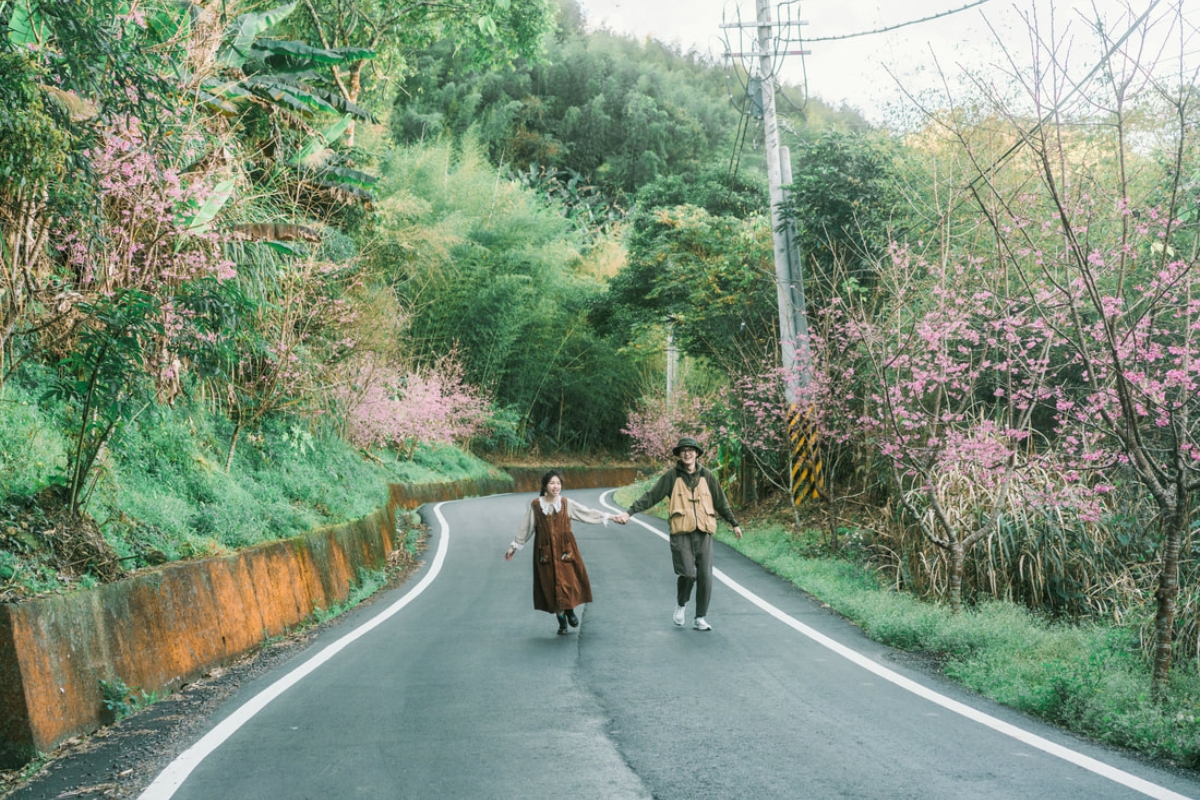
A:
[94, 50]
[492, 31]
[168, 497]
[162, 495]
[617, 111]
[278, 89]
[492, 274]
[33, 143]
[120, 700]
[99, 380]
[715, 191]
[711, 276]
[366, 583]
[845, 202]
[32, 447]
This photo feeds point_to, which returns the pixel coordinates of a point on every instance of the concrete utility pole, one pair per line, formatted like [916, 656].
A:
[799, 308]
[793, 325]
[672, 363]
[807, 476]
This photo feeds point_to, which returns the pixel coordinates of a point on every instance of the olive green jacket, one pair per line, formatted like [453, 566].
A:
[665, 484]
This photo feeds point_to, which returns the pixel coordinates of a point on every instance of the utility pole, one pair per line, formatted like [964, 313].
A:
[799, 307]
[672, 363]
[793, 325]
[807, 477]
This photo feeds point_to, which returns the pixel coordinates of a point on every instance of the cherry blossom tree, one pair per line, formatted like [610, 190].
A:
[1104, 241]
[956, 373]
[657, 424]
[432, 405]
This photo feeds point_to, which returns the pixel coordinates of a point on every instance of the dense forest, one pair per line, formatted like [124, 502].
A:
[259, 260]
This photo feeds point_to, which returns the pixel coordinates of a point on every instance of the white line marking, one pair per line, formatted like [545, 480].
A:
[171, 778]
[1079, 759]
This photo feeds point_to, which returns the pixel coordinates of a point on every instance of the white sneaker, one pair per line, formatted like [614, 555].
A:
[701, 624]
[678, 616]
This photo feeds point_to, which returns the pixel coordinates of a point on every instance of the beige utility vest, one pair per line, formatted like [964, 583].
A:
[692, 509]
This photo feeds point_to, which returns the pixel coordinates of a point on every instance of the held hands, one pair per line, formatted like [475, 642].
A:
[621, 518]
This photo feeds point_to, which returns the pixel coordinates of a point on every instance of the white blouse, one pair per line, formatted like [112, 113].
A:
[575, 510]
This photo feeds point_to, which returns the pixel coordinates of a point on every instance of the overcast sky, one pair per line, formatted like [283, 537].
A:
[855, 71]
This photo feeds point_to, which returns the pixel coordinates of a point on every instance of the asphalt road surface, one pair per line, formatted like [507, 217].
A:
[452, 686]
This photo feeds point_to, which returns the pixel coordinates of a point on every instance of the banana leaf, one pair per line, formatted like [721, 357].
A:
[277, 86]
[290, 56]
[345, 175]
[321, 140]
[199, 221]
[290, 93]
[25, 28]
[230, 90]
[245, 29]
[286, 249]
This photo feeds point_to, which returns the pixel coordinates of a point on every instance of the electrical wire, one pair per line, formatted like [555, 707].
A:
[739, 142]
[898, 25]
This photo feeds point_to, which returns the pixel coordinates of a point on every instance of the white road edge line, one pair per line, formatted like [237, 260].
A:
[171, 778]
[1079, 759]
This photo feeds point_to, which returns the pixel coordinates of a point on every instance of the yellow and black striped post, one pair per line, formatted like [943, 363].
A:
[808, 479]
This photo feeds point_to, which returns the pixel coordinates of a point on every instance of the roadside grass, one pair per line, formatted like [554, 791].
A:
[1088, 677]
[367, 584]
[163, 492]
[167, 477]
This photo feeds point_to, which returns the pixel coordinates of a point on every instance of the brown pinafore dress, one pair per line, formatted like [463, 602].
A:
[560, 581]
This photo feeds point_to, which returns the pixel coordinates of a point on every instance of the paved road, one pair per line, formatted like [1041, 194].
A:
[454, 687]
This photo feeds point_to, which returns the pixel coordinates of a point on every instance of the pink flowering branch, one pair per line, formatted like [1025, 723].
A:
[434, 405]
[657, 424]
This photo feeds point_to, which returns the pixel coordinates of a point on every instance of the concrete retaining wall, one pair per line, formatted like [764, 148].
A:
[165, 627]
[162, 628]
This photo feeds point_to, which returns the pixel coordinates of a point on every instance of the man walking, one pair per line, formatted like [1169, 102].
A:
[695, 501]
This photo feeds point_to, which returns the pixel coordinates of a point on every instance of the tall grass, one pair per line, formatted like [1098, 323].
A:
[31, 447]
[1057, 564]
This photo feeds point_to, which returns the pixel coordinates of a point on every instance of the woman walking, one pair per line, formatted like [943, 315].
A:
[560, 580]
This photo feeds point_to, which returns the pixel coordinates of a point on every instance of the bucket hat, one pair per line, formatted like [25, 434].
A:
[687, 441]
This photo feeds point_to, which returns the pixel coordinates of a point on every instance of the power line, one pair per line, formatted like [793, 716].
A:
[895, 27]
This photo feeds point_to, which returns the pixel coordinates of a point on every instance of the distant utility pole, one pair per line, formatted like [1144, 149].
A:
[672, 362]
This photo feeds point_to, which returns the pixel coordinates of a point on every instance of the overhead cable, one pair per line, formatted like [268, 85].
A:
[897, 26]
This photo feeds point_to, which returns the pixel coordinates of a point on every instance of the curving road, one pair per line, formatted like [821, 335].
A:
[453, 687]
